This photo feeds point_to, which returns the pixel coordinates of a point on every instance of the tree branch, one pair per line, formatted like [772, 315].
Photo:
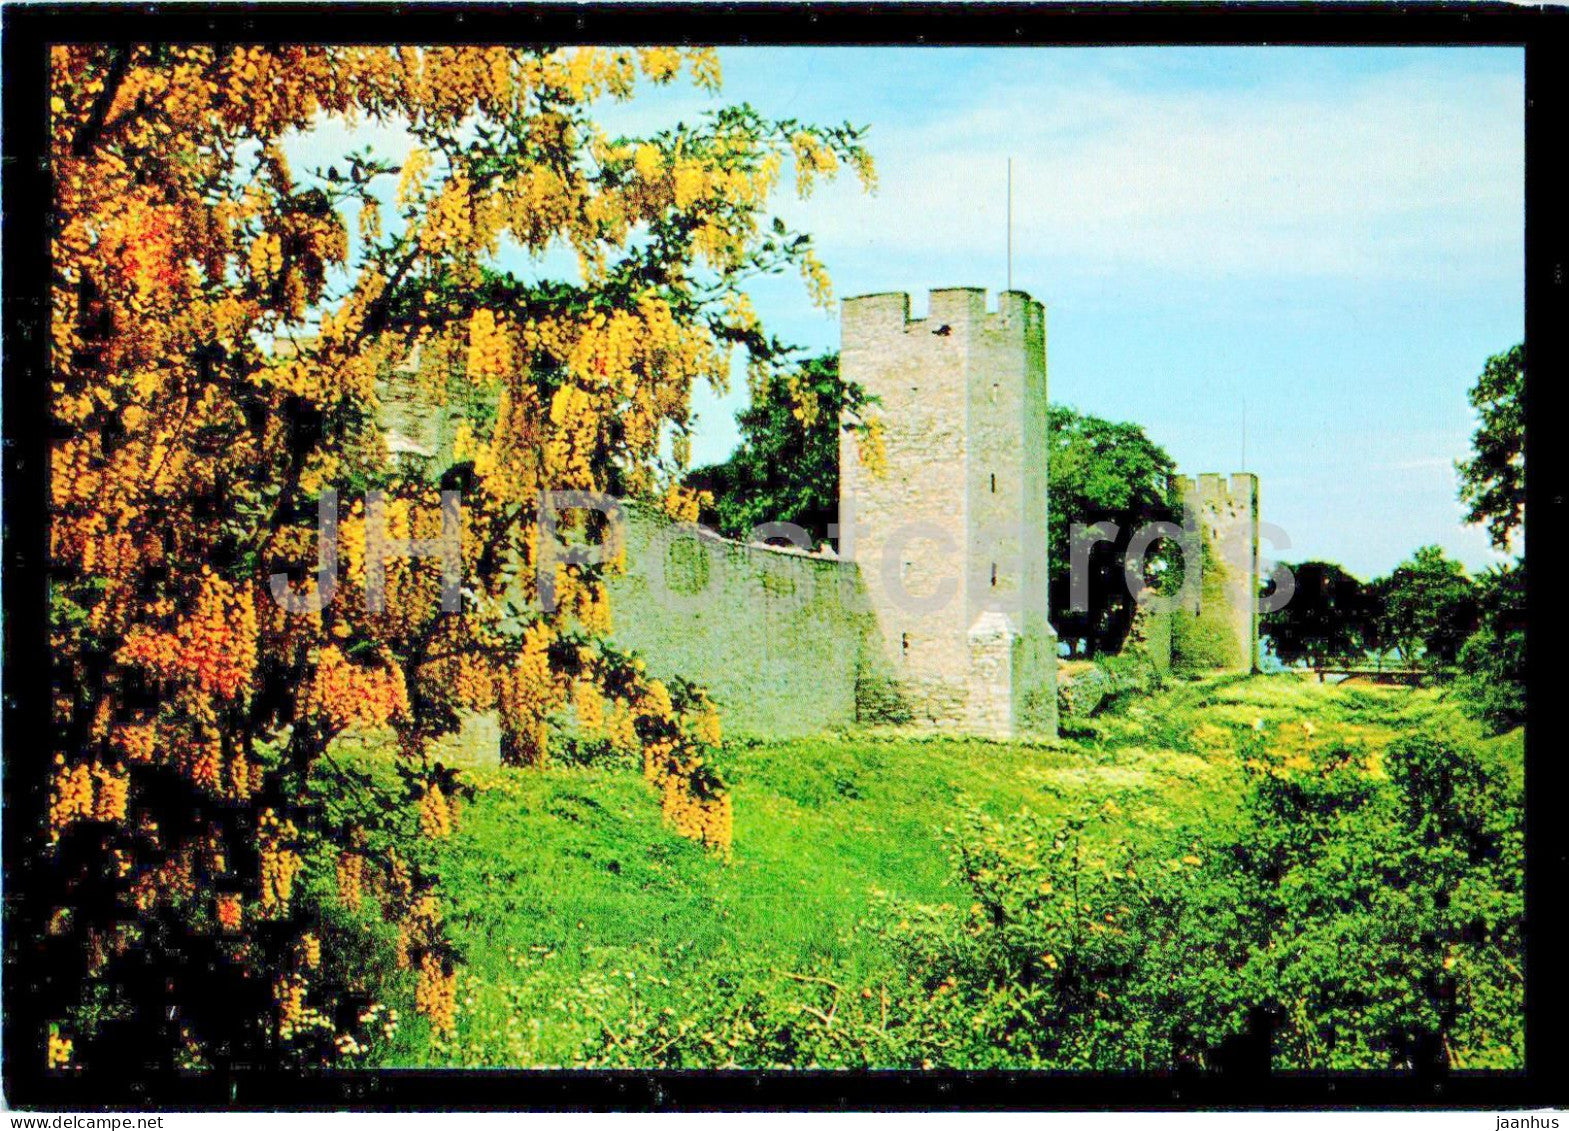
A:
[92, 129]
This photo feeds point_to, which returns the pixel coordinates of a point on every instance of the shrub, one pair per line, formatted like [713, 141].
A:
[1044, 966]
[1359, 914]
[1085, 688]
[1370, 922]
[1492, 661]
[1201, 641]
[1081, 689]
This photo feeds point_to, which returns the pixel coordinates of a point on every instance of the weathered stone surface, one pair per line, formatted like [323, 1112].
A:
[779, 637]
[1218, 627]
[954, 530]
[935, 610]
[419, 424]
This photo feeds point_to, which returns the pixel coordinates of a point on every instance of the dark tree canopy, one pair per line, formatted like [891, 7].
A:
[1492, 661]
[1101, 471]
[1492, 481]
[1492, 485]
[1327, 618]
[1428, 607]
[786, 468]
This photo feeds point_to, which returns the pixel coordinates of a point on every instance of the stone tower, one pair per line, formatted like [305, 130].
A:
[950, 538]
[1217, 627]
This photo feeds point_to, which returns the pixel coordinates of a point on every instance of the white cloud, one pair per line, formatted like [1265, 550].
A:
[1413, 175]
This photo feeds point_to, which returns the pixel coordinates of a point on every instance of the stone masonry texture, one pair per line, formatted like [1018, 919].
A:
[950, 536]
[1218, 629]
[935, 610]
[774, 634]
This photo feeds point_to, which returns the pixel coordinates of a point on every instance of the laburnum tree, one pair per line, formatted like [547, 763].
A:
[218, 614]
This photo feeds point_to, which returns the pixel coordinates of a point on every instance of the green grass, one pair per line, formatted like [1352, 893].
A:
[575, 906]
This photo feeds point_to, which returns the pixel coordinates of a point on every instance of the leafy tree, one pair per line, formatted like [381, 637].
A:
[1102, 471]
[1492, 661]
[1325, 619]
[1492, 484]
[1492, 481]
[1428, 607]
[786, 467]
[219, 324]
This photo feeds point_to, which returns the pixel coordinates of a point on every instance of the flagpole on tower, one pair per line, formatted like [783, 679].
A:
[1244, 433]
[1010, 223]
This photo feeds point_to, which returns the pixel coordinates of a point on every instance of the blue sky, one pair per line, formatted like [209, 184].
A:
[1334, 235]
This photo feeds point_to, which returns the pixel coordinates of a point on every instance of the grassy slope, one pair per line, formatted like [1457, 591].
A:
[566, 878]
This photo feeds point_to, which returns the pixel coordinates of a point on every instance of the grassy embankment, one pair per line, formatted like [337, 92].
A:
[578, 910]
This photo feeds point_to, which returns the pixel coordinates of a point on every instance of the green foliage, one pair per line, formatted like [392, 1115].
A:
[786, 468]
[1200, 643]
[1492, 484]
[1040, 968]
[1081, 689]
[1370, 923]
[1204, 641]
[844, 933]
[1492, 481]
[1085, 687]
[1346, 920]
[1427, 607]
[1102, 471]
[1492, 662]
[1327, 617]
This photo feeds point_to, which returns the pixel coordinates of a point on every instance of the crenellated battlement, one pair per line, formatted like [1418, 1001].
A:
[950, 311]
[962, 399]
[1238, 492]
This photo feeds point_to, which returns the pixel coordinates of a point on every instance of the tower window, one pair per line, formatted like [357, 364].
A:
[904, 643]
[994, 575]
[994, 483]
[995, 386]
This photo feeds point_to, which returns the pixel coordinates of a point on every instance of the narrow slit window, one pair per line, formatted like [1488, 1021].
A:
[994, 575]
[904, 643]
[994, 483]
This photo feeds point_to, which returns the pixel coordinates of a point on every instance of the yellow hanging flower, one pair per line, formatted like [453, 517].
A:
[489, 350]
[649, 162]
[60, 1048]
[411, 181]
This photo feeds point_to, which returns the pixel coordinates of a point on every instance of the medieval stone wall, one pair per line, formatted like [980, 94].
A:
[419, 424]
[906, 527]
[936, 610]
[779, 637]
